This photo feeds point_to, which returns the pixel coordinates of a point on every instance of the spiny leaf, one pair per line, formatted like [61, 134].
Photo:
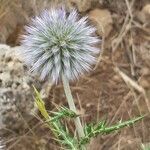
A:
[92, 130]
[121, 125]
[63, 113]
[61, 133]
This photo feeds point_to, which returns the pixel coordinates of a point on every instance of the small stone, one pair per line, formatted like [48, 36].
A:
[145, 71]
[146, 9]
[144, 83]
[117, 78]
[144, 14]
[81, 5]
[102, 19]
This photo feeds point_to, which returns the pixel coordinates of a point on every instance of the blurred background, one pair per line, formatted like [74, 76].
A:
[117, 89]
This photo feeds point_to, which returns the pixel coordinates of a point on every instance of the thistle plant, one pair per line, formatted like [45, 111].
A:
[60, 46]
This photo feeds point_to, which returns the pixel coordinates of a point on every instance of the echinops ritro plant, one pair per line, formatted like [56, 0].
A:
[61, 46]
[58, 43]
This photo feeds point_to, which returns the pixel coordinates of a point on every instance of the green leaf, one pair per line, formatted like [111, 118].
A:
[93, 129]
[61, 133]
[63, 112]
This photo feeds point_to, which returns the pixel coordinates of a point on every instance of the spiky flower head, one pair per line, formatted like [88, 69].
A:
[58, 43]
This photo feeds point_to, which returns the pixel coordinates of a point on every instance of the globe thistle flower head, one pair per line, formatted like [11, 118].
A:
[58, 43]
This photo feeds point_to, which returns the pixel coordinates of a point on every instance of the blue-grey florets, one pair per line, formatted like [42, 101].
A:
[57, 43]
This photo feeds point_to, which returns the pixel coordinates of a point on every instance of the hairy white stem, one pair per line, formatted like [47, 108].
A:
[72, 107]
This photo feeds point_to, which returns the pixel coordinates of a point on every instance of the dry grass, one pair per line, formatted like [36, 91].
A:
[3, 7]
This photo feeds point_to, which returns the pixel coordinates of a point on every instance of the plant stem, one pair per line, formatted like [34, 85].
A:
[72, 106]
[56, 127]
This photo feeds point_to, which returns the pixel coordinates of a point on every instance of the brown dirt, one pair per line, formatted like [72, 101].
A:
[104, 93]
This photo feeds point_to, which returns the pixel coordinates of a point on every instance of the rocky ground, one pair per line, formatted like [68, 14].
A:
[117, 88]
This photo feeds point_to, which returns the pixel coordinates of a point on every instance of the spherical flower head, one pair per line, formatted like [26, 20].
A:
[58, 43]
